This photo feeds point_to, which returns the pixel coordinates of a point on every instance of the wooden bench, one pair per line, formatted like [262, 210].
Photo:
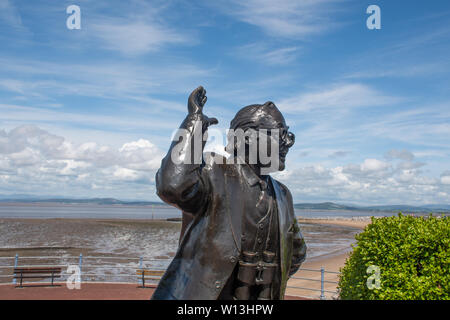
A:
[36, 273]
[145, 274]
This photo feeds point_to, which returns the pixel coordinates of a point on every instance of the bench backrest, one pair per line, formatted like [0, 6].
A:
[154, 273]
[37, 270]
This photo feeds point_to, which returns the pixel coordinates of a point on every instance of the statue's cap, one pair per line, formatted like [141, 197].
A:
[255, 116]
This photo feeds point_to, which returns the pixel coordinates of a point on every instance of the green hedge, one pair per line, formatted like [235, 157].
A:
[413, 254]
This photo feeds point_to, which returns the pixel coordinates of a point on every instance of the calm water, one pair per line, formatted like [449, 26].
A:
[122, 231]
[84, 211]
[341, 214]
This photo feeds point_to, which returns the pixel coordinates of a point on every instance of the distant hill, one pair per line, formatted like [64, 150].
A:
[436, 208]
[84, 201]
[382, 208]
[323, 206]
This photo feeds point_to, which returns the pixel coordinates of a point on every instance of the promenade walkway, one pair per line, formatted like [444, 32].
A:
[88, 291]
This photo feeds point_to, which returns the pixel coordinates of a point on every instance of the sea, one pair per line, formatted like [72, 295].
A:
[93, 211]
[115, 239]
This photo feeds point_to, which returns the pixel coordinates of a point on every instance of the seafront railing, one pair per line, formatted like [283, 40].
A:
[123, 269]
[90, 268]
[322, 281]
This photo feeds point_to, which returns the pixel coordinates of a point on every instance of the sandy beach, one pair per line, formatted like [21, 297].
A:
[331, 262]
[328, 240]
[355, 223]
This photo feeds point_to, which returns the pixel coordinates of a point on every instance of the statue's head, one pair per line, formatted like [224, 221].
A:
[266, 138]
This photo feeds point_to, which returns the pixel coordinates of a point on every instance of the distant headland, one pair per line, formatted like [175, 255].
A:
[331, 206]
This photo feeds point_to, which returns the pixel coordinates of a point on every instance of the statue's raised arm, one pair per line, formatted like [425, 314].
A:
[179, 181]
[240, 239]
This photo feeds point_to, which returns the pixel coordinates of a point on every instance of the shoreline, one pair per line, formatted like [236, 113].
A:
[331, 262]
[353, 223]
[125, 230]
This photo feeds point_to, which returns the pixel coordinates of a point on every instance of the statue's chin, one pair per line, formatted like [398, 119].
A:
[269, 169]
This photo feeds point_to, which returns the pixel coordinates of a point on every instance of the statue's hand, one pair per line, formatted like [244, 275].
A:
[196, 101]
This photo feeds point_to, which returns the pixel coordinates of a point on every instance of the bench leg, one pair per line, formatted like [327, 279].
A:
[143, 279]
[21, 278]
[52, 278]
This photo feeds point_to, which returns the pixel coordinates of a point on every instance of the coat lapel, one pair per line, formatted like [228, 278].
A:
[285, 235]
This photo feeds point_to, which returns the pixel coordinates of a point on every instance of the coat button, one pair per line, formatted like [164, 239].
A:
[217, 284]
[233, 259]
[259, 240]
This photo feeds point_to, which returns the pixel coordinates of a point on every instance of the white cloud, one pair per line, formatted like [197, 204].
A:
[339, 154]
[71, 166]
[140, 155]
[425, 126]
[135, 37]
[33, 160]
[10, 14]
[125, 174]
[267, 54]
[445, 178]
[370, 182]
[339, 97]
[399, 154]
[18, 114]
[35, 80]
[285, 18]
[395, 71]
[373, 165]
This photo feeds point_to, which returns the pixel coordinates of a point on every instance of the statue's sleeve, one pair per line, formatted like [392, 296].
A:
[298, 242]
[299, 249]
[181, 180]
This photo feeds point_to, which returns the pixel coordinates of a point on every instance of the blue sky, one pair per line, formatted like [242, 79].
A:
[89, 112]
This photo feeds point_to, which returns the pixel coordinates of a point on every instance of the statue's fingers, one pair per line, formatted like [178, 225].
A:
[200, 92]
[212, 121]
[204, 100]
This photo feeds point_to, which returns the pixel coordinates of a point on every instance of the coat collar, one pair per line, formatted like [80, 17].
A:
[252, 178]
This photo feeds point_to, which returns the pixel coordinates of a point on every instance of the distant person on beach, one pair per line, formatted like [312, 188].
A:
[240, 238]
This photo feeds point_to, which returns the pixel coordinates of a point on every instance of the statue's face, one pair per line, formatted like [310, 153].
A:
[286, 140]
[282, 140]
[266, 142]
[272, 143]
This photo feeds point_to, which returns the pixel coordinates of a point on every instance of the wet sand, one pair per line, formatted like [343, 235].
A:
[159, 239]
[355, 223]
[133, 238]
[331, 262]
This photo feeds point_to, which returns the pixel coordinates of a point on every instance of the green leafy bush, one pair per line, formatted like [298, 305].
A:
[413, 254]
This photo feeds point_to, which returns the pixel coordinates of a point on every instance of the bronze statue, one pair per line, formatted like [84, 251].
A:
[240, 238]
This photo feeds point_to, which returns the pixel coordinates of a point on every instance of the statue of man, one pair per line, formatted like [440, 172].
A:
[240, 238]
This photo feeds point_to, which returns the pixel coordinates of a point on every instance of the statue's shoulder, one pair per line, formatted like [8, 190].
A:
[217, 164]
[284, 189]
